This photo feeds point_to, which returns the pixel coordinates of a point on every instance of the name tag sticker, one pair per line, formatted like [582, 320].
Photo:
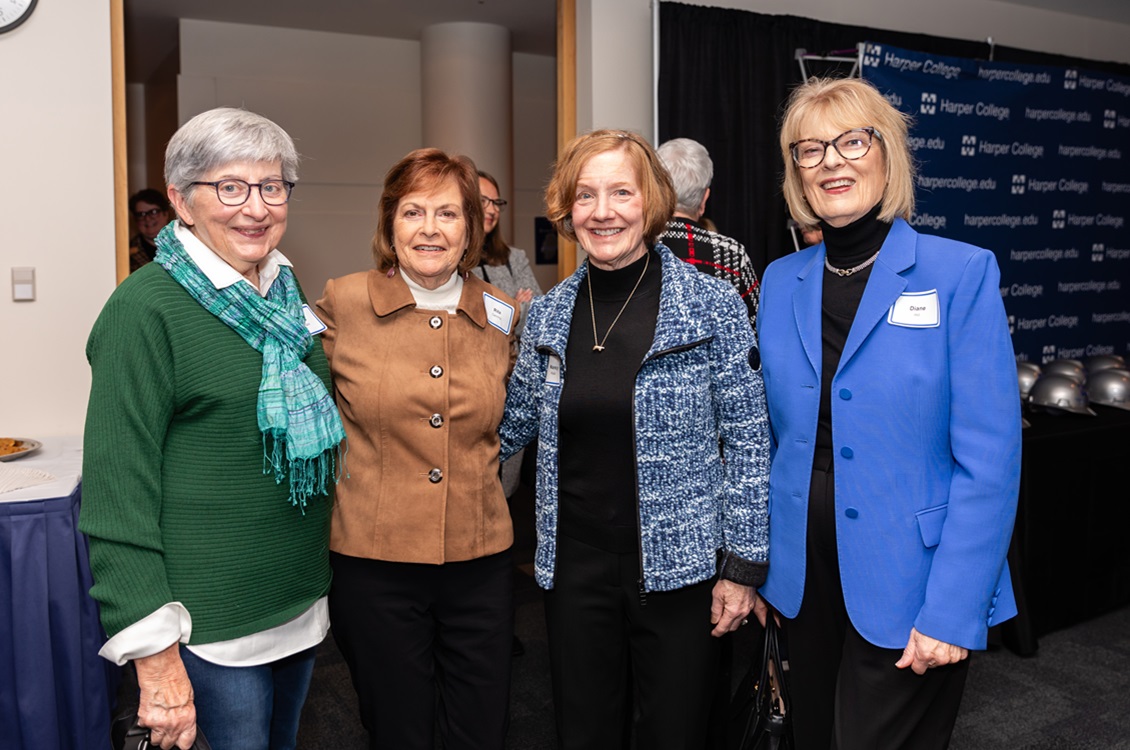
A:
[314, 326]
[553, 370]
[499, 314]
[916, 310]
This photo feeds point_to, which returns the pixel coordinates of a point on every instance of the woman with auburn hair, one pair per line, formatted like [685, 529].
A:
[639, 378]
[891, 385]
[419, 351]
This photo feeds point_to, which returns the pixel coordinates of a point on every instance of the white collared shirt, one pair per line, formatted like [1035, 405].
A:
[217, 269]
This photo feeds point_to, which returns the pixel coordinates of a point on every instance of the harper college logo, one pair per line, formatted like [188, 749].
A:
[1098, 251]
[1048, 354]
[929, 105]
[969, 146]
[1019, 182]
[1011, 325]
[1110, 118]
[1070, 79]
[871, 55]
[1059, 219]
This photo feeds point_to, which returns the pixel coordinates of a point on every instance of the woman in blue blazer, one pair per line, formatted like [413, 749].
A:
[891, 385]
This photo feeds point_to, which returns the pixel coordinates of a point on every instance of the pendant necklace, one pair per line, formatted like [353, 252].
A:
[849, 271]
[598, 344]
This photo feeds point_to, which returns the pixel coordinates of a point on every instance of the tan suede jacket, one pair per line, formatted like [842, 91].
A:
[421, 393]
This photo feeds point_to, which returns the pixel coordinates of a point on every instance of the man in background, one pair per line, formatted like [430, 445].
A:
[691, 170]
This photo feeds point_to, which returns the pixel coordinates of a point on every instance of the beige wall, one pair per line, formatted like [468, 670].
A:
[353, 106]
[56, 210]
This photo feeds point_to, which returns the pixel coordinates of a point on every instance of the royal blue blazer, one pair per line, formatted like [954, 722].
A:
[926, 438]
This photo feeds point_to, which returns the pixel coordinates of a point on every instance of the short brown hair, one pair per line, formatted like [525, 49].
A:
[849, 103]
[421, 170]
[655, 185]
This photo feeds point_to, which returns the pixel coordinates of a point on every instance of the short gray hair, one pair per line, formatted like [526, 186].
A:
[222, 136]
[688, 162]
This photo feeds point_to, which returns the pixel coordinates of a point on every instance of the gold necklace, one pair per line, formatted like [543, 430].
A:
[598, 345]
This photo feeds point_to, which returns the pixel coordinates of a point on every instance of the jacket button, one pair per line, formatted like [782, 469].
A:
[436, 371]
[436, 420]
[846, 452]
[845, 394]
[436, 322]
[435, 476]
[851, 513]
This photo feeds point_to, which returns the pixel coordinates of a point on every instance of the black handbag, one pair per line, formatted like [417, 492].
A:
[760, 716]
[136, 737]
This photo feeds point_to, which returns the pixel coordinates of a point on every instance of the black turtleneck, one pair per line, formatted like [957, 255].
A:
[596, 450]
[847, 247]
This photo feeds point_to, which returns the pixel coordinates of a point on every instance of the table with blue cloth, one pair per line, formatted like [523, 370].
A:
[55, 691]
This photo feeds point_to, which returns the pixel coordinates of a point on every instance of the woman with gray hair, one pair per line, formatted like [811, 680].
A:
[210, 452]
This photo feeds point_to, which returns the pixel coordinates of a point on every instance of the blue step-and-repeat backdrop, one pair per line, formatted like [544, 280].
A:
[1032, 163]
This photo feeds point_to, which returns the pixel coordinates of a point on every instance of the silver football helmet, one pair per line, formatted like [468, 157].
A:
[1059, 393]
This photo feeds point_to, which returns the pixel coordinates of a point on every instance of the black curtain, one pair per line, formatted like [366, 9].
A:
[723, 78]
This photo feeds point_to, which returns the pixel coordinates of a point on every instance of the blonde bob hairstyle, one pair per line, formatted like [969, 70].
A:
[655, 185]
[842, 104]
[424, 170]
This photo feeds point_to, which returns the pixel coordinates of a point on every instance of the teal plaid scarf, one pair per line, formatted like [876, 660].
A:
[297, 416]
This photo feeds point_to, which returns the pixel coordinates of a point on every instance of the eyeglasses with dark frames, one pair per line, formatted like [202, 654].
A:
[148, 214]
[499, 203]
[851, 144]
[234, 192]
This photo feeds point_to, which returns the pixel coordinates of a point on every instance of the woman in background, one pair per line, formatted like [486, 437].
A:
[508, 268]
[420, 351]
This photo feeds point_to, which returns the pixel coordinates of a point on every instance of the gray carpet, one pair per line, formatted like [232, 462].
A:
[1074, 694]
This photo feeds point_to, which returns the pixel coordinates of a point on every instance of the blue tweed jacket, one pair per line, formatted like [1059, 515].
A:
[695, 388]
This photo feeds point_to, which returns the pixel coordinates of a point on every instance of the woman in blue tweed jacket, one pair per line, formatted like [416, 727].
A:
[653, 458]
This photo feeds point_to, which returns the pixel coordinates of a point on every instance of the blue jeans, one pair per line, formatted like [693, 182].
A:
[246, 708]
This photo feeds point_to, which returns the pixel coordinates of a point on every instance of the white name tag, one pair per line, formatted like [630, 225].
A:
[314, 326]
[916, 310]
[499, 314]
[553, 371]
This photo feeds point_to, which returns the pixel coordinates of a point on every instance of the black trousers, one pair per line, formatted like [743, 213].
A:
[618, 664]
[405, 629]
[847, 693]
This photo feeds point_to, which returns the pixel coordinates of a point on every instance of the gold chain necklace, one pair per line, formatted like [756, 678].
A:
[598, 345]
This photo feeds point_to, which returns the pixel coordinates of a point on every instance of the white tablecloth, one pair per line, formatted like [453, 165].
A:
[60, 456]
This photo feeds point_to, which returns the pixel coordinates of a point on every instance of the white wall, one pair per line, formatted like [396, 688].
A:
[353, 106]
[56, 210]
[619, 83]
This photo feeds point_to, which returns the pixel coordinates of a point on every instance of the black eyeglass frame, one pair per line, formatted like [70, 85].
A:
[150, 212]
[258, 185]
[872, 135]
[499, 203]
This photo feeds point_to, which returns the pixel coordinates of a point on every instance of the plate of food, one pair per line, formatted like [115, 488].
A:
[13, 448]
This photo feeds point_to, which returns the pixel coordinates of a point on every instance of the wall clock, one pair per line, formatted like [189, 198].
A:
[14, 12]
